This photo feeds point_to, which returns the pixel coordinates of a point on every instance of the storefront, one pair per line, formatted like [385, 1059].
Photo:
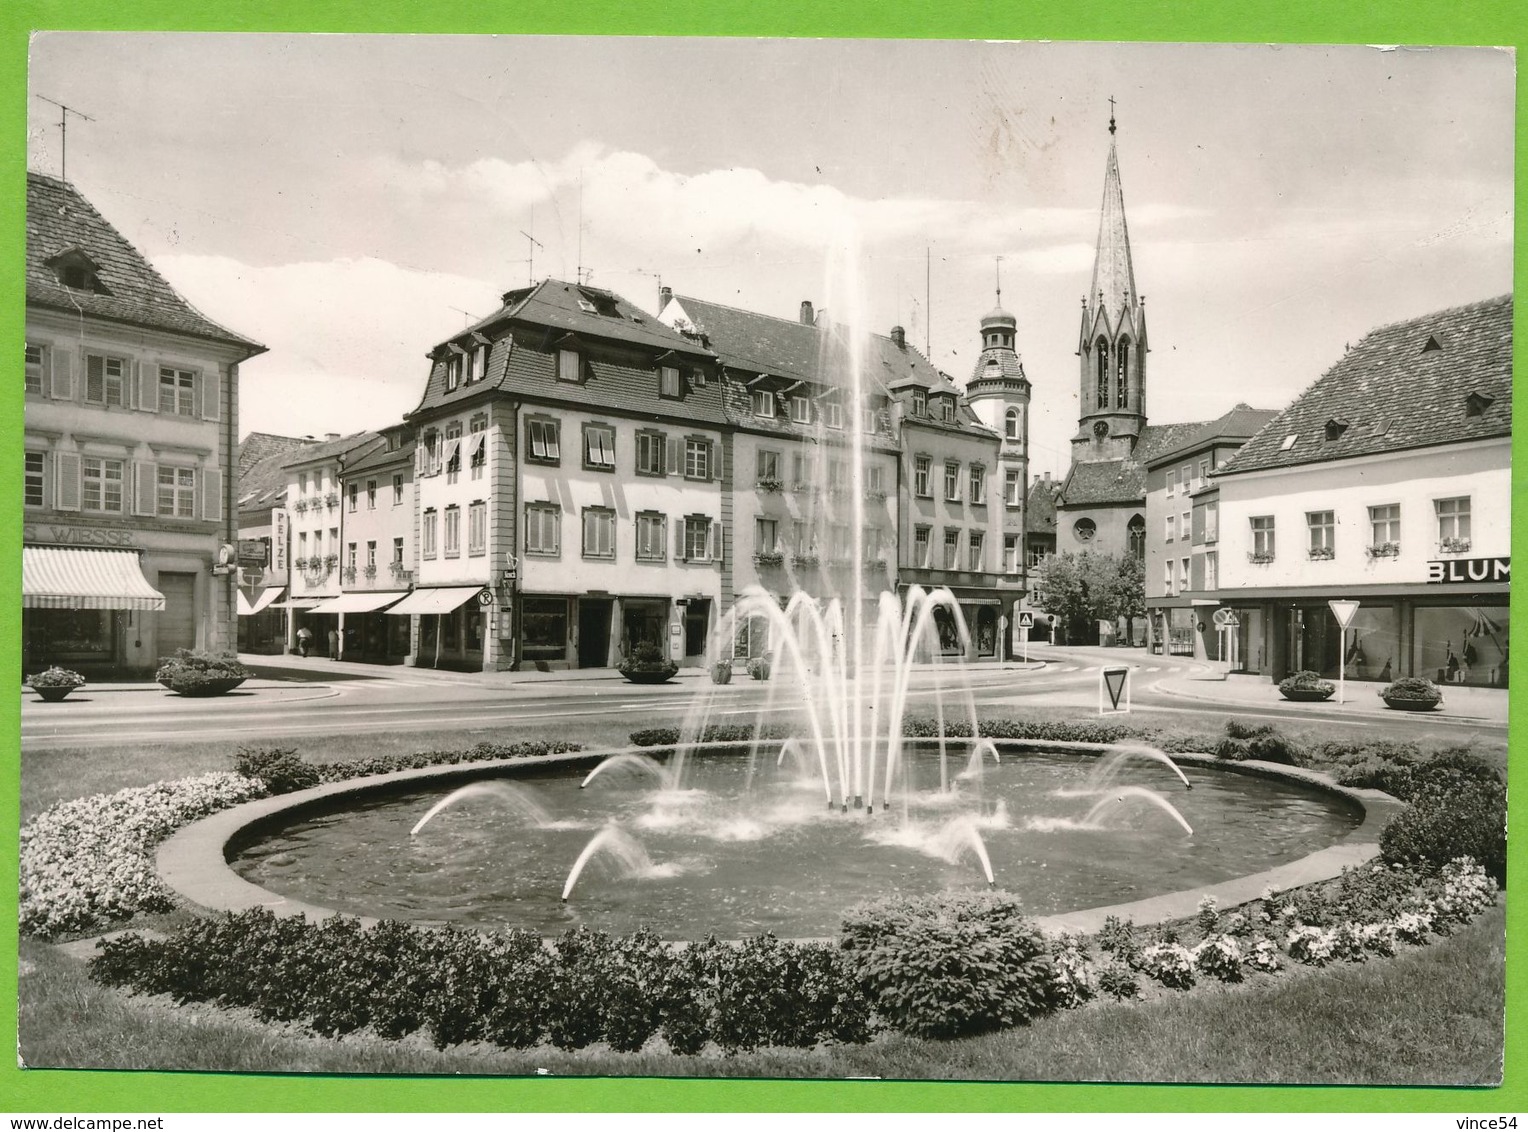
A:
[363, 628]
[452, 624]
[262, 621]
[80, 607]
[1461, 643]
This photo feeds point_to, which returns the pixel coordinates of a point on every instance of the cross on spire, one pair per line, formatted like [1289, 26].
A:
[1111, 114]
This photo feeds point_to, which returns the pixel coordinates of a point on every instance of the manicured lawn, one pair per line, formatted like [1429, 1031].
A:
[1428, 1016]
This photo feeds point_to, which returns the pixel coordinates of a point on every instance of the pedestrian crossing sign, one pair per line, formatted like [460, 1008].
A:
[1026, 619]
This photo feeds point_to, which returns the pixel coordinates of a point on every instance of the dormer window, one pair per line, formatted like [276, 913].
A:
[668, 381]
[833, 414]
[1431, 344]
[78, 271]
[948, 408]
[1476, 404]
[453, 371]
[763, 403]
[1335, 428]
[801, 409]
[920, 403]
[587, 307]
[568, 368]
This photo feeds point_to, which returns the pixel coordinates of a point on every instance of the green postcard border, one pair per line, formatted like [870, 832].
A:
[1422, 22]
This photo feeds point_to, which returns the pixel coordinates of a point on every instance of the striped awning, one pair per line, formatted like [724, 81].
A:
[249, 608]
[69, 577]
[361, 601]
[436, 599]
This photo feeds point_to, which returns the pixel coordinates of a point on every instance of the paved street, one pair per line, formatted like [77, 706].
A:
[293, 697]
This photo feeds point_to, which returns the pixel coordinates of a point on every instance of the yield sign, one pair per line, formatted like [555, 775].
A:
[1114, 684]
[1026, 619]
[1343, 611]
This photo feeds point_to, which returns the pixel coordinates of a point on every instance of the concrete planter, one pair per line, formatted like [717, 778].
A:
[1400, 703]
[660, 676]
[206, 687]
[1306, 695]
[54, 694]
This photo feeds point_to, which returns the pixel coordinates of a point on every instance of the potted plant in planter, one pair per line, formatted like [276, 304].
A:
[1411, 693]
[648, 665]
[758, 668]
[53, 684]
[193, 673]
[1306, 687]
[721, 672]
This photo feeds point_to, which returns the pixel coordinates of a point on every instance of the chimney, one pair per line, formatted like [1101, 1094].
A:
[807, 318]
[899, 337]
[664, 295]
[1047, 477]
[331, 436]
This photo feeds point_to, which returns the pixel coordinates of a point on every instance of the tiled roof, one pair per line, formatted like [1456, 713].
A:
[59, 221]
[536, 318]
[259, 446]
[380, 457]
[1396, 390]
[998, 362]
[1104, 482]
[1238, 424]
[262, 484]
[329, 449]
[1040, 511]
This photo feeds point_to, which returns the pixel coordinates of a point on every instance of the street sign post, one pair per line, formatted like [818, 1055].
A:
[1343, 611]
[1026, 623]
[1226, 624]
[1005, 646]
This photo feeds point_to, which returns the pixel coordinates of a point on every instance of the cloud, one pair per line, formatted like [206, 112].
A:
[346, 337]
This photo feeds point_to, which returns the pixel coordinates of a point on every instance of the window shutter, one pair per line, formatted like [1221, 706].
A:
[679, 540]
[146, 482]
[61, 385]
[211, 391]
[67, 492]
[148, 387]
[211, 483]
[714, 462]
[419, 459]
[716, 540]
[675, 456]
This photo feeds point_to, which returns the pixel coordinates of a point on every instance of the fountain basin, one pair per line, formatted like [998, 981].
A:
[472, 880]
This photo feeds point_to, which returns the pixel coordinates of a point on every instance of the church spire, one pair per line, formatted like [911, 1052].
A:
[1113, 289]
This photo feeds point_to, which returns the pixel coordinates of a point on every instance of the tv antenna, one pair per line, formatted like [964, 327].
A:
[63, 133]
[530, 250]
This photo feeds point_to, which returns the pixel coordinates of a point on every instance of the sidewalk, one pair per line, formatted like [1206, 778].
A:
[1488, 705]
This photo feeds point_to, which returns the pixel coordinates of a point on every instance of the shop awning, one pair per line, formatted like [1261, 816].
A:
[367, 602]
[436, 599]
[249, 608]
[68, 577]
[302, 602]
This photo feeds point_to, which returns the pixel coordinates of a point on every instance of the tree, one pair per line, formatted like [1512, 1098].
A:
[1086, 588]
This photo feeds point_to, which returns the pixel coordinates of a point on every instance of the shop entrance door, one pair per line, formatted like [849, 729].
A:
[593, 632]
[177, 620]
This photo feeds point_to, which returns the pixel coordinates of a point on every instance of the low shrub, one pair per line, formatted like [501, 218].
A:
[1220, 957]
[1263, 955]
[88, 862]
[1118, 981]
[759, 668]
[1075, 981]
[715, 733]
[1118, 939]
[481, 752]
[1170, 964]
[193, 672]
[280, 768]
[1306, 681]
[1451, 817]
[1463, 890]
[1207, 919]
[1311, 945]
[55, 677]
[1373, 893]
[646, 658]
[1263, 742]
[952, 964]
[721, 672]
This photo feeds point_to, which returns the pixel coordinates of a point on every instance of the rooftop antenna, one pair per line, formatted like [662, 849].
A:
[63, 133]
[999, 267]
[928, 301]
[578, 272]
[530, 249]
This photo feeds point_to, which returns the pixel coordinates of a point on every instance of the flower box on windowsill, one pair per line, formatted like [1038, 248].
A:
[1259, 559]
[300, 506]
[768, 558]
[1322, 554]
[1453, 546]
[766, 483]
[1385, 550]
[348, 574]
[875, 497]
[369, 573]
[401, 573]
[805, 560]
[875, 563]
[330, 562]
[803, 488]
[332, 500]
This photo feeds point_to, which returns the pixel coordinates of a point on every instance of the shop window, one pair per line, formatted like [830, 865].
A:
[1461, 644]
[544, 628]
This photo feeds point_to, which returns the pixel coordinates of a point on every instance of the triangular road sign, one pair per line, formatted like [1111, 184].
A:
[1343, 611]
[1114, 684]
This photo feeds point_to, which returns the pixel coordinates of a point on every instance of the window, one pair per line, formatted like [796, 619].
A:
[453, 371]
[1012, 488]
[453, 452]
[477, 528]
[599, 532]
[453, 538]
[398, 551]
[104, 380]
[868, 421]
[975, 557]
[802, 539]
[427, 533]
[763, 403]
[1186, 525]
[479, 363]
[767, 465]
[1323, 531]
[350, 558]
[920, 547]
[921, 469]
[1453, 522]
[101, 485]
[1385, 528]
[697, 539]
[978, 484]
[801, 409]
[765, 536]
[34, 369]
[798, 468]
[1182, 575]
[1084, 529]
[650, 453]
[951, 548]
[1212, 571]
[1101, 361]
[1172, 524]
[1167, 578]
[544, 444]
[1010, 554]
[334, 541]
[567, 365]
[1122, 373]
[1262, 538]
[920, 403]
[1011, 421]
[1172, 482]
[352, 490]
[302, 545]
[952, 481]
[32, 496]
[875, 479]
[599, 447]
[1212, 521]
[371, 495]
[833, 414]
[543, 529]
[1204, 473]
[371, 556]
[836, 473]
[177, 492]
[177, 391]
[479, 443]
[668, 381]
[948, 404]
[697, 459]
[302, 483]
[652, 537]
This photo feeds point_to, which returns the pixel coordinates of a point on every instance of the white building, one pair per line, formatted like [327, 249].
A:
[1387, 482]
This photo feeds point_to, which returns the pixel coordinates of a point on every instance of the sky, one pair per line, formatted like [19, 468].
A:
[350, 201]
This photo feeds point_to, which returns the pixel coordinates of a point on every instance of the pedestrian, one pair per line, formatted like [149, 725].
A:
[334, 644]
[304, 640]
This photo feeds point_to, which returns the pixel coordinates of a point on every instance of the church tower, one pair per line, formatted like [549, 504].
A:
[998, 393]
[1112, 341]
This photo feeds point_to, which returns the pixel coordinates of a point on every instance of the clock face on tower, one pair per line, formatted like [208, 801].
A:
[1101, 429]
